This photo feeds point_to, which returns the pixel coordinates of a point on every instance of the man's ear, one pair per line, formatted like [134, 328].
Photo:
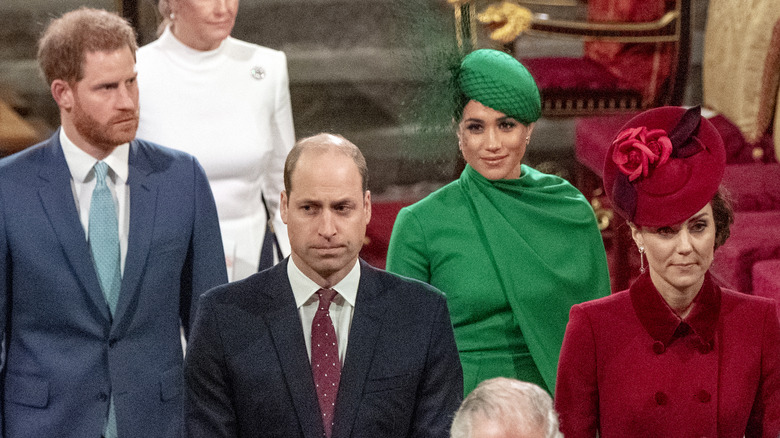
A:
[367, 205]
[62, 93]
[283, 206]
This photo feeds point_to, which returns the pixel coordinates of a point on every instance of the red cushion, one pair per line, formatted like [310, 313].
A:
[738, 150]
[570, 73]
[378, 231]
[633, 64]
[754, 237]
[593, 137]
[754, 187]
[766, 280]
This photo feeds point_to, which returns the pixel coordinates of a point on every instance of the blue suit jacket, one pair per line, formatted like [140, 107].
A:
[64, 354]
[248, 373]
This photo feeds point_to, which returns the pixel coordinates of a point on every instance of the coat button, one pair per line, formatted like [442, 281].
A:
[112, 343]
[103, 397]
[705, 347]
[658, 347]
[661, 398]
[704, 396]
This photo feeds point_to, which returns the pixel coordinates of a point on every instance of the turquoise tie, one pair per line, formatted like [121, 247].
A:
[104, 245]
[104, 237]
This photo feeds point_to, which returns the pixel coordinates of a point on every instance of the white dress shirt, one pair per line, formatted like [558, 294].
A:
[341, 308]
[82, 182]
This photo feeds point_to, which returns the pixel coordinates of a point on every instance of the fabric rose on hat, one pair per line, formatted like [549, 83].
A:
[639, 150]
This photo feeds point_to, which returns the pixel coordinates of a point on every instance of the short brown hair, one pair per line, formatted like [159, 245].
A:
[324, 142]
[723, 215]
[66, 40]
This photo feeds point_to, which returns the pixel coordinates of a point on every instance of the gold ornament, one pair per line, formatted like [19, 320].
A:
[506, 20]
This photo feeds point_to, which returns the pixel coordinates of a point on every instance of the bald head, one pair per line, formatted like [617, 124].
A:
[320, 144]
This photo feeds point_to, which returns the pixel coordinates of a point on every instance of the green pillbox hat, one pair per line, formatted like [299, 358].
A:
[499, 81]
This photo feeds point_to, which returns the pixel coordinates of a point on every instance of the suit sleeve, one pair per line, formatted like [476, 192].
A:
[5, 297]
[576, 391]
[205, 264]
[441, 389]
[282, 140]
[764, 421]
[209, 410]
[407, 251]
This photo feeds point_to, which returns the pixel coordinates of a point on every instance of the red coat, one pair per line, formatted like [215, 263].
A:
[629, 367]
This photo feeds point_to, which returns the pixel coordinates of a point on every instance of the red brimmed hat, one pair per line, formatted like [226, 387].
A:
[663, 166]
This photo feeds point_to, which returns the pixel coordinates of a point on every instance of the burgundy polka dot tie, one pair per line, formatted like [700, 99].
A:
[325, 364]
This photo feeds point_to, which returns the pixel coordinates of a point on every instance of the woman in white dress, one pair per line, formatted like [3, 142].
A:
[227, 102]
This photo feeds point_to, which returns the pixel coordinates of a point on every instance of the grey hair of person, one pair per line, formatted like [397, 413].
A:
[513, 404]
[322, 143]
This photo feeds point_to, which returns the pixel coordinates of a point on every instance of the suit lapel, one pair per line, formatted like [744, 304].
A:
[366, 325]
[143, 208]
[285, 327]
[57, 199]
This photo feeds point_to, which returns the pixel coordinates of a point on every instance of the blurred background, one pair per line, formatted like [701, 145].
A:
[352, 68]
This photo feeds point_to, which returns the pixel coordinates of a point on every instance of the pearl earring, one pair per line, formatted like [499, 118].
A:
[642, 259]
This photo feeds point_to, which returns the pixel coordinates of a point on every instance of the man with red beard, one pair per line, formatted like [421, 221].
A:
[106, 242]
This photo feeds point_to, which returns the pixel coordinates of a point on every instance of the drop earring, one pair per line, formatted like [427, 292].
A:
[642, 259]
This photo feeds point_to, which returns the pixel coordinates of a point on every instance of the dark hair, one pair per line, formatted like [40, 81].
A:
[66, 40]
[723, 215]
[324, 142]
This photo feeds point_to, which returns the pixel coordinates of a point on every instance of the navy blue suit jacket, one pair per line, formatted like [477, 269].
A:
[64, 353]
[248, 373]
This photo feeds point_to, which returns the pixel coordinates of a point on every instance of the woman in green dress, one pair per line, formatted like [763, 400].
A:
[511, 247]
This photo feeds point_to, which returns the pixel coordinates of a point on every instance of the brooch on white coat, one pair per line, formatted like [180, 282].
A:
[257, 72]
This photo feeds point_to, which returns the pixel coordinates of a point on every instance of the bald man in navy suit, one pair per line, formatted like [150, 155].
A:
[252, 366]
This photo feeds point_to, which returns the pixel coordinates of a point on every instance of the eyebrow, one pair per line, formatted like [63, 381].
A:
[330, 203]
[105, 84]
[114, 83]
[500, 119]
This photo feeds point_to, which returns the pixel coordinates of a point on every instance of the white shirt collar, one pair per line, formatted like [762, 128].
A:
[81, 163]
[304, 287]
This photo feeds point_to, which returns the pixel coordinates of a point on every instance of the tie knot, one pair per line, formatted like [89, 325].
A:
[326, 296]
[101, 170]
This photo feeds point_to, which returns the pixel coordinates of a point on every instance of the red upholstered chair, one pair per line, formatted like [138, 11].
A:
[378, 231]
[635, 56]
[755, 235]
[593, 136]
[741, 81]
[765, 280]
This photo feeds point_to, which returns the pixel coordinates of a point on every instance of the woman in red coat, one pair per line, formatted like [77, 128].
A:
[675, 355]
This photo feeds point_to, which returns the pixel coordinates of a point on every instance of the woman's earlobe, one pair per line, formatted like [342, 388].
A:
[636, 235]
